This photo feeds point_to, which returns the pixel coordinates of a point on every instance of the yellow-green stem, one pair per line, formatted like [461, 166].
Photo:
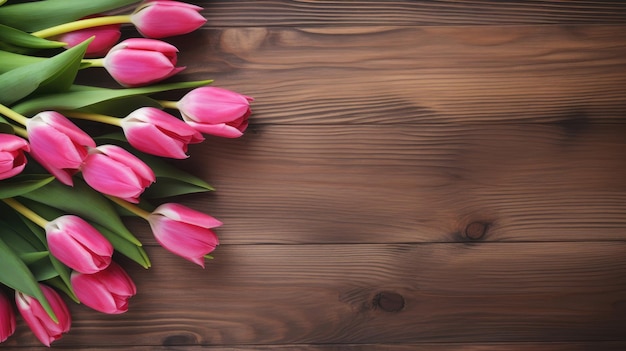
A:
[93, 62]
[20, 131]
[94, 117]
[26, 212]
[169, 104]
[81, 24]
[131, 207]
[13, 115]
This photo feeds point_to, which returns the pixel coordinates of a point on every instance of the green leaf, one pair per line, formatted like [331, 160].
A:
[23, 183]
[11, 60]
[32, 257]
[15, 274]
[125, 247]
[54, 74]
[38, 15]
[78, 96]
[83, 201]
[43, 269]
[22, 39]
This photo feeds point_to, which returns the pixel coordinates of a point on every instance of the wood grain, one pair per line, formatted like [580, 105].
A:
[234, 13]
[415, 183]
[370, 294]
[386, 75]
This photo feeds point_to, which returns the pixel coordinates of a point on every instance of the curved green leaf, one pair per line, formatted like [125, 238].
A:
[22, 184]
[34, 16]
[78, 96]
[54, 74]
[22, 39]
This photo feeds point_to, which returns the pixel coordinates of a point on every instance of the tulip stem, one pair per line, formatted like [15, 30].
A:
[130, 207]
[95, 117]
[20, 131]
[94, 62]
[13, 115]
[82, 24]
[169, 104]
[26, 212]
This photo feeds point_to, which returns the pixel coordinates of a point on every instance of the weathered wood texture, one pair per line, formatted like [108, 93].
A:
[418, 175]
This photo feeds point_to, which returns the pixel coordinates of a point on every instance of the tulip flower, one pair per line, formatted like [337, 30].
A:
[160, 19]
[78, 245]
[12, 158]
[58, 144]
[216, 111]
[104, 38]
[156, 132]
[114, 171]
[139, 61]
[184, 232]
[44, 328]
[107, 291]
[7, 318]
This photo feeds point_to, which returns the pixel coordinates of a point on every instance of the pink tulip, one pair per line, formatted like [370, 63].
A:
[44, 328]
[107, 291]
[156, 132]
[78, 245]
[7, 318]
[114, 171]
[139, 61]
[104, 38]
[160, 19]
[216, 111]
[58, 144]
[184, 232]
[12, 158]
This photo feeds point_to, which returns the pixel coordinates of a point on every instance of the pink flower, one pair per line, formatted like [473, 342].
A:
[107, 291]
[78, 245]
[114, 171]
[139, 61]
[44, 328]
[184, 232]
[58, 144]
[12, 158]
[7, 318]
[156, 132]
[216, 111]
[160, 19]
[105, 37]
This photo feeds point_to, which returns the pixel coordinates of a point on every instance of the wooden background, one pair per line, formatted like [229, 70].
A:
[418, 175]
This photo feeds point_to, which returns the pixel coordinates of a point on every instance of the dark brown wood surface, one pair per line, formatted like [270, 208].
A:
[418, 175]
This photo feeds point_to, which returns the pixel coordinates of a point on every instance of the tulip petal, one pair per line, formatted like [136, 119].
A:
[185, 214]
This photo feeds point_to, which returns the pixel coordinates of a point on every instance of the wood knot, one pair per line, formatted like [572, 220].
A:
[476, 230]
[389, 301]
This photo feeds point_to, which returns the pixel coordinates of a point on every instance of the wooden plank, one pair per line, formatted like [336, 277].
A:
[409, 13]
[368, 294]
[414, 183]
[385, 75]
[569, 346]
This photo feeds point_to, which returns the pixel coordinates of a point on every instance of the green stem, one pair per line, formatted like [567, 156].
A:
[131, 207]
[169, 104]
[94, 117]
[26, 212]
[13, 115]
[20, 131]
[81, 24]
[94, 62]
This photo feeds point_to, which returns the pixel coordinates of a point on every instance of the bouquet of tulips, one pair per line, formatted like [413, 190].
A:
[63, 191]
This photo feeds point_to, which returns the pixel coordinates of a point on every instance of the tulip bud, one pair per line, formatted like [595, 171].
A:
[78, 245]
[216, 111]
[104, 38]
[58, 144]
[156, 132]
[44, 328]
[160, 19]
[7, 318]
[12, 158]
[139, 61]
[114, 171]
[184, 232]
[107, 291]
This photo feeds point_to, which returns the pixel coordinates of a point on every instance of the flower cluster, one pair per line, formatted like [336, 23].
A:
[63, 190]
